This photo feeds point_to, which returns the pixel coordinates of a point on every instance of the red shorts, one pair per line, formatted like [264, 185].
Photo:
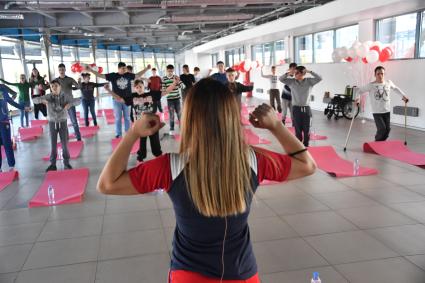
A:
[183, 276]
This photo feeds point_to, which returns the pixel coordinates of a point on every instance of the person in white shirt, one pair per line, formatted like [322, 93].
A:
[379, 96]
[274, 90]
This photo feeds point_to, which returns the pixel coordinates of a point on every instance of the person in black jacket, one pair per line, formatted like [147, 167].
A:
[87, 98]
[286, 95]
[236, 87]
[188, 80]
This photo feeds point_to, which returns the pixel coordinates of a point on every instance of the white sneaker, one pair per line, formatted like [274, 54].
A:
[171, 133]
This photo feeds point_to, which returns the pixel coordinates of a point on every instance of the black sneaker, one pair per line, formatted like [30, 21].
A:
[117, 136]
[52, 167]
[78, 139]
[67, 166]
[140, 158]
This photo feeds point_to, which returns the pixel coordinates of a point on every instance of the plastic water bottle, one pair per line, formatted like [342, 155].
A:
[316, 278]
[356, 167]
[51, 194]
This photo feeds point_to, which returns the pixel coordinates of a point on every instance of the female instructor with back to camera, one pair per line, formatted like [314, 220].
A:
[211, 182]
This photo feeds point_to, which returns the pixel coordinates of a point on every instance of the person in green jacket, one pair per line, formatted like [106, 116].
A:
[23, 98]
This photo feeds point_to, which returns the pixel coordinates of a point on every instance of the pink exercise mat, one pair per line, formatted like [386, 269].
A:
[27, 134]
[68, 185]
[395, 149]
[38, 123]
[7, 178]
[116, 141]
[110, 119]
[253, 139]
[74, 148]
[329, 161]
[86, 132]
[99, 112]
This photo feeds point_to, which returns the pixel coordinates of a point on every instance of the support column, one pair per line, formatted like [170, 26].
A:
[46, 54]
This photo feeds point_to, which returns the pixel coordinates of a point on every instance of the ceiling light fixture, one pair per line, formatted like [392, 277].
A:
[11, 16]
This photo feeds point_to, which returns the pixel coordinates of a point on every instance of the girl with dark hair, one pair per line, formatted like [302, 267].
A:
[211, 181]
[39, 87]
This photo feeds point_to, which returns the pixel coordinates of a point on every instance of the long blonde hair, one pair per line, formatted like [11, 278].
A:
[218, 171]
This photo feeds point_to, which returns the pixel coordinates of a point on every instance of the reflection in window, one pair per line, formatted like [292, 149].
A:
[346, 36]
[303, 49]
[400, 32]
[323, 46]
[422, 38]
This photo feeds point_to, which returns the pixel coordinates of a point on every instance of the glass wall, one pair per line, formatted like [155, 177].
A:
[57, 59]
[10, 57]
[304, 49]
[280, 51]
[85, 55]
[346, 36]
[138, 61]
[257, 53]
[400, 32]
[101, 60]
[33, 58]
[126, 58]
[323, 46]
[268, 54]
[113, 60]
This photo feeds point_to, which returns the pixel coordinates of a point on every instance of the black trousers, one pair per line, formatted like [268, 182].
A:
[382, 121]
[301, 116]
[40, 107]
[156, 97]
[155, 146]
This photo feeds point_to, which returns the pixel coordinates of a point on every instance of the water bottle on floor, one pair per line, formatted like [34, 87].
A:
[356, 167]
[51, 194]
[316, 278]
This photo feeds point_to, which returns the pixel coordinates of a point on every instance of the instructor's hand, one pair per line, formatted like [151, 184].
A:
[264, 117]
[148, 125]
[405, 99]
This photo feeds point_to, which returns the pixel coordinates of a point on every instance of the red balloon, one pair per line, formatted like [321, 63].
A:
[348, 59]
[73, 68]
[376, 47]
[92, 65]
[385, 54]
[99, 70]
[79, 68]
[242, 66]
[364, 60]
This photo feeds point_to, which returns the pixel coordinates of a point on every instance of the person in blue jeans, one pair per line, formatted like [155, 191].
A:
[24, 98]
[121, 92]
[5, 136]
[87, 97]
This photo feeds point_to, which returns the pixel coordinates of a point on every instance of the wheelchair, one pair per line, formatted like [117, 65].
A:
[342, 105]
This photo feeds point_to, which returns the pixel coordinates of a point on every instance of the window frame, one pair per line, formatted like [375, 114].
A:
[417, 32]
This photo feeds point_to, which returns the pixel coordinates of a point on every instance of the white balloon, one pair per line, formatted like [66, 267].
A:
[343, 52]
[352, 52]
[368, 43]
[356, 44]
[362, 50]
[253, 64]
[372, 56]
[336, 57]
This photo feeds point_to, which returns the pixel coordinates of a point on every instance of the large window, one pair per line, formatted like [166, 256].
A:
[113, 60]
[126, 58]
[33, 58]
[422, 37]
[101, 60]
[161, 61]
[281, 53]
[214, 59]
[85, 55]
[400, 32]
[268, 54]
[138, 61]
[11, 59]
[57, 59]
[257, 53]
[304, 49]
[234, 56]
[170, 58]
[323, 46]
[346, 36]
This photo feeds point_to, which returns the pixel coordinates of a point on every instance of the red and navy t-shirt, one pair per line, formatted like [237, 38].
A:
[198, 240]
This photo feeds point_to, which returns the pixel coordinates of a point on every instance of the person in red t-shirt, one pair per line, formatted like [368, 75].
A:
[155, 86]
[211, 181]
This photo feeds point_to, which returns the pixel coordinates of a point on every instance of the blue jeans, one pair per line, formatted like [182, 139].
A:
[174, 106]
[6, 141]
[119, 110]
[24, 113]
[89, 104]
[73, 117]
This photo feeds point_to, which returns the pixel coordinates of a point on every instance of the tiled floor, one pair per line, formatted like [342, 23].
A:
[359, 230]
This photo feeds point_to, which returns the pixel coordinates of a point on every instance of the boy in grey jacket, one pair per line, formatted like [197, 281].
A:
[300, 91]
[57, 109]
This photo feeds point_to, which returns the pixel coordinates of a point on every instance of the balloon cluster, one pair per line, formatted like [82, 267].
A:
[246, 66]
[367, 52]
[80, 67]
